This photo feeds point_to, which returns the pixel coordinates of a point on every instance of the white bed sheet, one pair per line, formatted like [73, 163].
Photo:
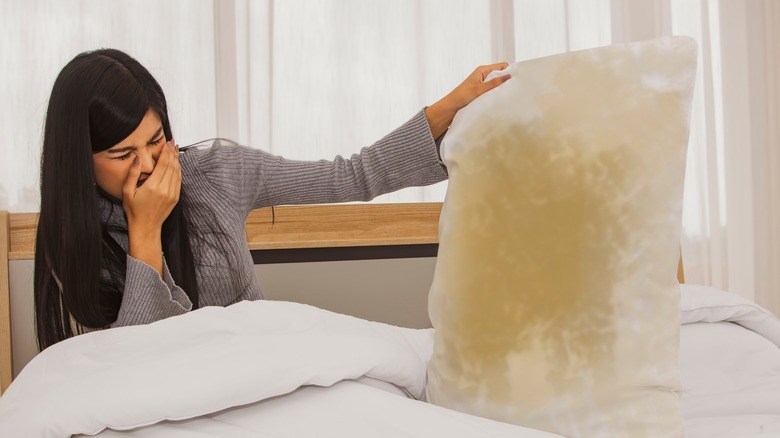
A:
[237, 372]
[731, 379]
[347, 409]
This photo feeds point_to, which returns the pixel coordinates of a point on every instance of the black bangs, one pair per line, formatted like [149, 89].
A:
[122, 92]
[114, 117]
[117, 107]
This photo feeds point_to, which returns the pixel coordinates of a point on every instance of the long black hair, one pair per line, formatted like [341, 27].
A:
[98, 99]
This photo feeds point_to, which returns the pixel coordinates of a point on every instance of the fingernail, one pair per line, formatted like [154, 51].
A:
[136, 161]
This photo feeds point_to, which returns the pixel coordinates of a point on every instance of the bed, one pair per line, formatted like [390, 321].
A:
[274, 368]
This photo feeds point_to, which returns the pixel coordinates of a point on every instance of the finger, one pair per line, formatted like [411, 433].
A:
[172, 177]
[486, 69]
[176, 188]
[175, 149]
[175, 171]
[495, 82]
[496, 66]
[162, 165]
[174, 165]
[131, 183]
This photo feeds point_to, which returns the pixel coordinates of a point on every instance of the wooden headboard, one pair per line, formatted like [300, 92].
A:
[6, 362]
[274, 235]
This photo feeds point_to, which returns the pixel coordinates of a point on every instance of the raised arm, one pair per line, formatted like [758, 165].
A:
[406, 157]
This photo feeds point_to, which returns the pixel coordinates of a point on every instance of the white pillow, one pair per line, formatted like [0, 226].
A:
[555, 298]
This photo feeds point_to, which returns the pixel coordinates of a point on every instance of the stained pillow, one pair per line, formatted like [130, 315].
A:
[555, 299]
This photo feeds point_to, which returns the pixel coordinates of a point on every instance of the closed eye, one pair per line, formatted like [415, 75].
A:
[159, 138]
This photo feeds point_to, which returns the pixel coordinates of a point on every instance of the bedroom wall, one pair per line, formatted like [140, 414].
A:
[392, 291]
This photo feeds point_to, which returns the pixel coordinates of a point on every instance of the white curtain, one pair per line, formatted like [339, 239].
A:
[38, 37]
[310, 79]
[328, 77]
[732, 195]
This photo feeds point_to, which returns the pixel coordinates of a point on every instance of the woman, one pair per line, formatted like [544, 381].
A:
[132, 230]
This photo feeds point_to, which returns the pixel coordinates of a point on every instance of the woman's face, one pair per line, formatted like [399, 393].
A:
[113, 164]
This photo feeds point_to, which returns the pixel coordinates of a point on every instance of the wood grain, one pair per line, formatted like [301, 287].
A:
[23, 229]
[331, 226]
[6, 358]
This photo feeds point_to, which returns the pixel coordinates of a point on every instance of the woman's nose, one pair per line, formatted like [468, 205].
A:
[148, 160]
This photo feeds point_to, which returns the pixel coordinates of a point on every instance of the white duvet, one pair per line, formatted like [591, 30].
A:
[276, 369]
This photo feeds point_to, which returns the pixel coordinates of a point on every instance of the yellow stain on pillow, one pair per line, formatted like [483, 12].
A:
[555, 298]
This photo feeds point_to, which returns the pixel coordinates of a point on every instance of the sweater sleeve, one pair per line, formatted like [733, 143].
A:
[252, 178]
[147, 297]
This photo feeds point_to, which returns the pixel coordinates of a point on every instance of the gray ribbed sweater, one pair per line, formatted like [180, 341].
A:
[224, 183]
